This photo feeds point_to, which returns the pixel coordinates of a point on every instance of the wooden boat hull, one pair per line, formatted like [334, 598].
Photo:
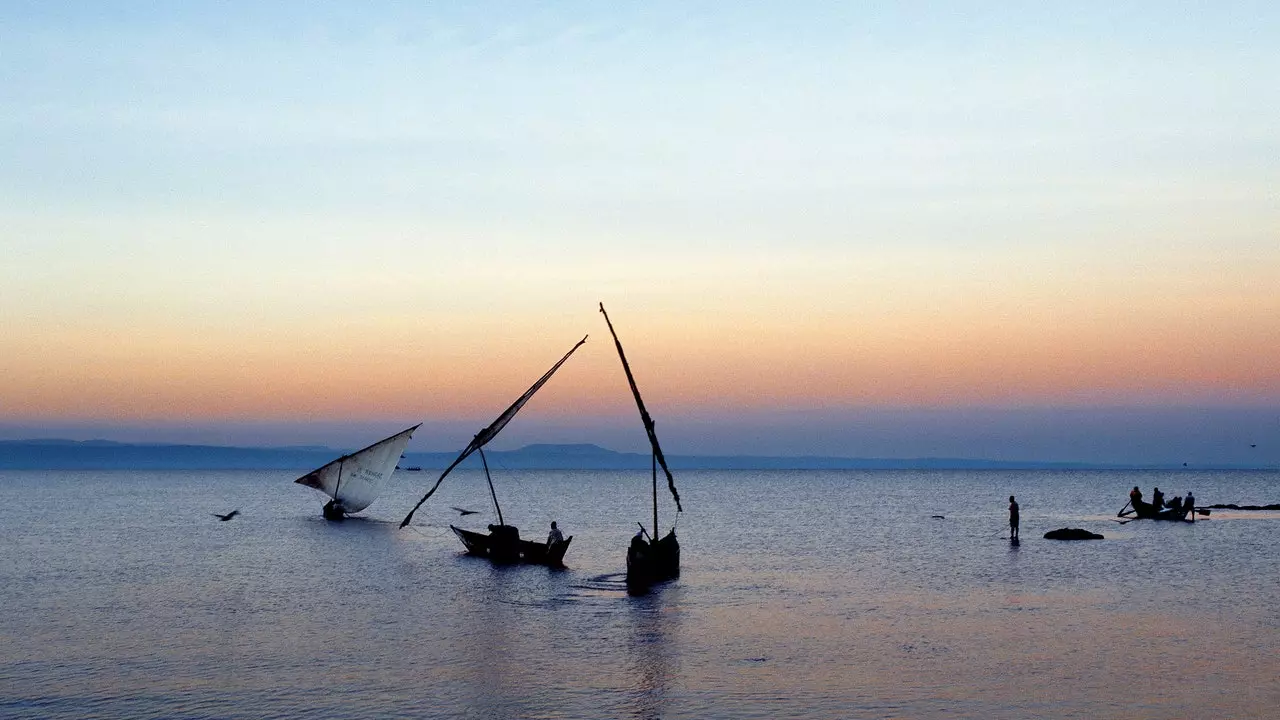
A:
[502, 544]
[333, 511]
[652, 562]
[1147, 511]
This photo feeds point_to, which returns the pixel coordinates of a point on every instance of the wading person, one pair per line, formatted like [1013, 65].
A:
[1013, 518]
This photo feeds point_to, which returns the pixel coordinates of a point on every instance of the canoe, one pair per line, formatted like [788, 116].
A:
[1146, 511]
[652, 562]
[503, 544]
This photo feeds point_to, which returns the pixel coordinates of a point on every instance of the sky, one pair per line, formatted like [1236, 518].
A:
[1042, 231]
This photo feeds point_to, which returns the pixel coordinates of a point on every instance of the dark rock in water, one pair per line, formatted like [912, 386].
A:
[940, 517]
[1071, 534]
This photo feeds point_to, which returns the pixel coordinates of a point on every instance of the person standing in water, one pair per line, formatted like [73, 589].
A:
[1013, 518]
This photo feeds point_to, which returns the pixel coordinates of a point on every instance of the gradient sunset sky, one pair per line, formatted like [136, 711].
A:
[1049, 231]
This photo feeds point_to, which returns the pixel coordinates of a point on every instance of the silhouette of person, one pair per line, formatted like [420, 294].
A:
[1157, 499]
[555, 535]
[1135, 496]
[1013, 518]
[1190, 502]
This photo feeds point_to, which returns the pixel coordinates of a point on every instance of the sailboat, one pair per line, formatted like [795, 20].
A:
[354, 481]
[503, 543]
[650, 559]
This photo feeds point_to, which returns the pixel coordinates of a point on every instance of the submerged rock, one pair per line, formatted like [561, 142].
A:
[1071, 534]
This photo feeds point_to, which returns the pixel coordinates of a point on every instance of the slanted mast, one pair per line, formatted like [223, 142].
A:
[647, 420]
[487, 434]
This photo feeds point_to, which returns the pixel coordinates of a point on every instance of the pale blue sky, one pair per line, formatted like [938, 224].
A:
[825, 193]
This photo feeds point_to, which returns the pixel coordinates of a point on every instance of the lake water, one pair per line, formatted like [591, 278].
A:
[803, 595]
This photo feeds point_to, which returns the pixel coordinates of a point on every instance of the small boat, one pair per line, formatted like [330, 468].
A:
[650, 562]
[354, 481]
[650, 559]
[1143, 510]
[503, 543]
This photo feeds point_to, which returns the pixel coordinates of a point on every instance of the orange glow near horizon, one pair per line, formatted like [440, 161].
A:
[968, 353]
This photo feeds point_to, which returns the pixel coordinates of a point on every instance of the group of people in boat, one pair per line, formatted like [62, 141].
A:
[1158, 503]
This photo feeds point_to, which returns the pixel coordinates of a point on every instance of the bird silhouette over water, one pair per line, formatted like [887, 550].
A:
[226, 517]
[464, 513]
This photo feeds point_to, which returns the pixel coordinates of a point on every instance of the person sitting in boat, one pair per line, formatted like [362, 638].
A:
[1135, 496]
[555, 536]
[1175, 503]
[1157, 499]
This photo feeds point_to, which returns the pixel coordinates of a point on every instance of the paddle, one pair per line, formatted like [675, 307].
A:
[1126, 507]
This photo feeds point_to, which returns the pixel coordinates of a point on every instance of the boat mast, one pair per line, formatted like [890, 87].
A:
[654, 458]
[338, 484]
[645, 419]
[488, 433]
[492, 494]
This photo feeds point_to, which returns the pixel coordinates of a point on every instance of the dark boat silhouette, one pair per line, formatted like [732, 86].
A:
[1143, 510]
[650, 559]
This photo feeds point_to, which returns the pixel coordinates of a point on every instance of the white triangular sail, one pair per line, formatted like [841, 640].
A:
[357, 479]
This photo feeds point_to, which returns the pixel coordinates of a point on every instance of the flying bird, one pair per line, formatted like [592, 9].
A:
[226, 517]
[464, 513]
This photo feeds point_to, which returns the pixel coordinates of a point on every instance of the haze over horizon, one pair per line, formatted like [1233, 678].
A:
[1034, 232]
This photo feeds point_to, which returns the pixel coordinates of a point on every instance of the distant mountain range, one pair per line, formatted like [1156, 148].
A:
[105, 455]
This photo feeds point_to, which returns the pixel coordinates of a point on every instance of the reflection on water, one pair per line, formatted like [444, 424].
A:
[821, 594]
[653, 621]
[491, 682]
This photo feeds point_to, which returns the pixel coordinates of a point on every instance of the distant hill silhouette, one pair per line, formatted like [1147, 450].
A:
[54, 454]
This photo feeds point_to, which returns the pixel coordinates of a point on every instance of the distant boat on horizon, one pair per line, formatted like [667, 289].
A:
[354, 481]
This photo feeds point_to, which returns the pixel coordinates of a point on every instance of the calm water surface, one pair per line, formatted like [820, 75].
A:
[803, 595]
